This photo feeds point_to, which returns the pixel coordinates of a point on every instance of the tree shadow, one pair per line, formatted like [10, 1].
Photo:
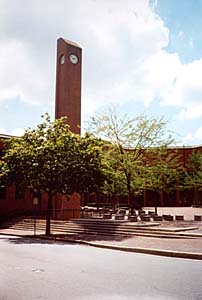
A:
[63, 239]
[106, 230]
[33, 240]
[92, 237]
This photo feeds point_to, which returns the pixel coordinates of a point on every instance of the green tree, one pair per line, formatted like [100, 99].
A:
[193, 176]
[52, 159]
[133, 146]
[163, 172]
[3, 171]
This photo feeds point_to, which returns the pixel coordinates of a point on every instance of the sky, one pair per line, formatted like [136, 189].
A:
[143, 56]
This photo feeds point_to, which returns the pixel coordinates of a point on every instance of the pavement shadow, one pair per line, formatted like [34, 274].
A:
[33, 240]
[91, 237]
[62, 239]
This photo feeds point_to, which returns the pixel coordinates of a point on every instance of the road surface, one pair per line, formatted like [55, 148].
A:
[32, 270]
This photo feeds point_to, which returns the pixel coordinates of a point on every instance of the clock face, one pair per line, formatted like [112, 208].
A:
[62, 59]
[74, 58]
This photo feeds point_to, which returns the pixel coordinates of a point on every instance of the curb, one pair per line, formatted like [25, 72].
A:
[167, 253]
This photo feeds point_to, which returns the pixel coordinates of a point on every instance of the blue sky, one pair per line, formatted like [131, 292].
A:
[144, 56]
[184, 20]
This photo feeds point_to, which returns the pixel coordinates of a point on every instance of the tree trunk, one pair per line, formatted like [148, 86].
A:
[157, 195]
[132, 204]
[48, 216]
[130, 195]
[97, 200]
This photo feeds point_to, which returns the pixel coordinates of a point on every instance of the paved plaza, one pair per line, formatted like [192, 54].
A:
[189, 245]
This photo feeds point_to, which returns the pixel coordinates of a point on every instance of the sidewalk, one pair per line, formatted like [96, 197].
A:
[186, 247]
[183, 248]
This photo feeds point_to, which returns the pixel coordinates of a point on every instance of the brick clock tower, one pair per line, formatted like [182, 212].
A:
[68, 83]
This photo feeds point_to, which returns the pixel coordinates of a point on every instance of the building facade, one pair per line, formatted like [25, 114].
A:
[13, 200]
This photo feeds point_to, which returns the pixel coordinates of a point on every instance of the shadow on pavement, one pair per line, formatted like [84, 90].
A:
[31, 240]
[61, 239]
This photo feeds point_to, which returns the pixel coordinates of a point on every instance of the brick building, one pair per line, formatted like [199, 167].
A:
[12, 200]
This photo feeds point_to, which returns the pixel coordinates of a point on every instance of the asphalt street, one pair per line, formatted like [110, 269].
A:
[36, 269]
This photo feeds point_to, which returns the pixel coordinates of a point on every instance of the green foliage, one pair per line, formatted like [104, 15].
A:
[52, 159]
[3, 172]
[135, 152]
[163, 172]
[193, 177]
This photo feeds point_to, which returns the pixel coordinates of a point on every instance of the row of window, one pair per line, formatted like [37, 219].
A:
[19, 194]
[2, 193]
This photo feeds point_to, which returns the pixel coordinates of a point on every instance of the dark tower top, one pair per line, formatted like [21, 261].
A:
[68, 83]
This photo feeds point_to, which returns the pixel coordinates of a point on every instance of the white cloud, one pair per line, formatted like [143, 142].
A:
[198, 133]
[3, 131]
[124, 56]
[191, 112]
[191, 43]
[20, 77]
[187, 90]
[193, 137]
[116, 36]
[155, 77]
[18, 132]
[180, 34]
[15, 132]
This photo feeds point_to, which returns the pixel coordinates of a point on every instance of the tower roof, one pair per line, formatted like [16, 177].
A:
[70, 42]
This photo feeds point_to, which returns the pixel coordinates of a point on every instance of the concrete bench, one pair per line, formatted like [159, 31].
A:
[141, 212]
[157, 218]
[151, 213]
[107, 216]
[168, 217]
[179, 218]
[197, 218]
[119, 217]
[132, 218]
[145, 218]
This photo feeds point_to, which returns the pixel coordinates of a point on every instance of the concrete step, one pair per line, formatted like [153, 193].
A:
[98, 228]
[151, 227]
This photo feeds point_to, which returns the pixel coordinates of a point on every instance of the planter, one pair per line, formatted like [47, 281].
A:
[133, 218]
[107, 216]
[141, 212]
[168, 217]
[157, 218]
[197, 218]
[119, 217]
[179, 218]
[145, 218]
[151, 213]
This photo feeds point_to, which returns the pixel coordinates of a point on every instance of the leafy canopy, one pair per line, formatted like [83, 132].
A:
[52, 159]
[193, 177]
[136, 151]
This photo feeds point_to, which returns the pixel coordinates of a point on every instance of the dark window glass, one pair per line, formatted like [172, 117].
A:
[19, 193]
[2, 193]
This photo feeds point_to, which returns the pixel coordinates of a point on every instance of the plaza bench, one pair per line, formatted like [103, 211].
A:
[179, 218]
[197, 218]
[167, 217]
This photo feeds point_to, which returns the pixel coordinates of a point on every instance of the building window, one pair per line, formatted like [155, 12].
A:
[19, 193]
[2, 193]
